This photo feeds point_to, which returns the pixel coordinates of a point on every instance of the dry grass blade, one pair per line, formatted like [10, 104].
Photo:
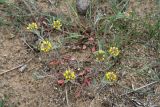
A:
[137, 89]
[66, 91]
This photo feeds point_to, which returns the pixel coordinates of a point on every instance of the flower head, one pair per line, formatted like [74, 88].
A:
[69, 75]
[32, 26]
[111, 76]
[57, 24]
[100, 55]
[45, 46]
[114, 51]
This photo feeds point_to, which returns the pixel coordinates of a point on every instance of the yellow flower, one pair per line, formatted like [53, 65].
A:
[114, 51]
[32, 26]
[45, 46]
[57, 24]
[111, 76]
[69, 75]
[100, 55]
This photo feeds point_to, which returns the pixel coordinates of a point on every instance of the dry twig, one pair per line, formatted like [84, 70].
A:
[19, 66]
[137, 89]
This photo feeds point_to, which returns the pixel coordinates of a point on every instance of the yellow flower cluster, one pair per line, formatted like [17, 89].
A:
[32, 26]
[100, 55]
[114, 51]
[69, 75]
[57, 24]
[111, 76]
[45, 46]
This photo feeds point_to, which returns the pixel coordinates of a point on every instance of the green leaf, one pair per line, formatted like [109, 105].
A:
[74, 36]
[2, 1]
[37, 76]
[120, 15]
[1, 103]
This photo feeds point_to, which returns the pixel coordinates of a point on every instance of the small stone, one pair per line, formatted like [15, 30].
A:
[21, 69]
[82, 6]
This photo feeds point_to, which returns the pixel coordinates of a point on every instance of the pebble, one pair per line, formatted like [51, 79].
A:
[82, 6]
